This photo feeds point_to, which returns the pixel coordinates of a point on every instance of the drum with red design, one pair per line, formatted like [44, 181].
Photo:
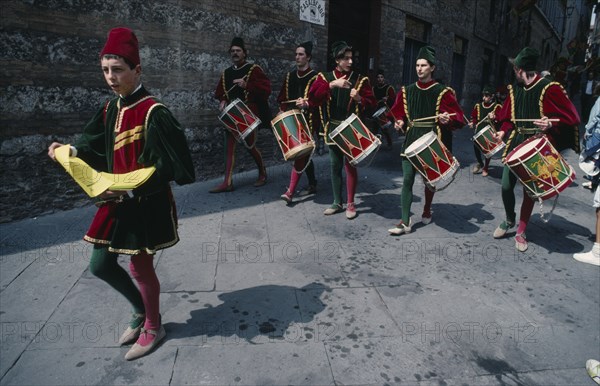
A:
[433, 160]
[355, 140]
[381, 116]
[239, 120]
[484, 138]
[293, 134]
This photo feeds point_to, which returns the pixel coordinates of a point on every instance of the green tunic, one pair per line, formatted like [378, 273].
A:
[126, 135]
[421, 103]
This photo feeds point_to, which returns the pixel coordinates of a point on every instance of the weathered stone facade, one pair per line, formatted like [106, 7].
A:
[51, 82]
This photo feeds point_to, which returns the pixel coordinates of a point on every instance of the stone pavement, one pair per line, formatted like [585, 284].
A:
[257, 293]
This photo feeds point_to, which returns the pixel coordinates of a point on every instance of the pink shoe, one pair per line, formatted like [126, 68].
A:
[521, 242]
[350, 211]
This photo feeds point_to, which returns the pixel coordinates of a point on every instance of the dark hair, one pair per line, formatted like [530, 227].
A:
[113, 56]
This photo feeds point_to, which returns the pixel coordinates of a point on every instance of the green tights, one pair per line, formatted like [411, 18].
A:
[104, 265]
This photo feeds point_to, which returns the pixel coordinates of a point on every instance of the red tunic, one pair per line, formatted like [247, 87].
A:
[257, 91]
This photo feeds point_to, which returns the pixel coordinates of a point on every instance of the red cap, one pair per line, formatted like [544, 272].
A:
[123, 42]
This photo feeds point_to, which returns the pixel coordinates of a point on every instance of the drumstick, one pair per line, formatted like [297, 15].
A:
[432, 117]
[235, 84]
[531, 120]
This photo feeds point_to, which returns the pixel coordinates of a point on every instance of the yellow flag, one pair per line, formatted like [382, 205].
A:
[93, 182]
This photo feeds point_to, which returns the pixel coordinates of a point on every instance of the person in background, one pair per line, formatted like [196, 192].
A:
[295, 88]
[247, 82]
[385, 95]
[486, 109]
[592, 129]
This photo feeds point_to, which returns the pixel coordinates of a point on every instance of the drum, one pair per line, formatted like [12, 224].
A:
[484, 138]
[355, 140]
[540, 168]
[381, 116]
[293, 134]
[433, 160]
[239, 120]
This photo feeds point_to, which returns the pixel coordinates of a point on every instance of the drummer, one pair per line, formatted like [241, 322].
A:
[486, 109]
[523, 102]
[424, 98]
[385, 95]
[249, 83]
[340, 93]
[295, 88]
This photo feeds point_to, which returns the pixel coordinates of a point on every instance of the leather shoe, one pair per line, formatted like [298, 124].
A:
[222, 188]
[401, 228]
[333, 209]
[310, 189]
[521, 242]
[261, 181]
[426, 217]
[286, 197]
[131, 334]
[137, 350]
[350, 211]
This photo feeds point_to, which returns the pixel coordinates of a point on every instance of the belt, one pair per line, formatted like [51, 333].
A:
[116, 200]
[528, 130]
[422, 124]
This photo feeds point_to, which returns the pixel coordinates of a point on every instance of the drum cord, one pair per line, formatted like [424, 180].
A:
[307, 162]
[544, 219]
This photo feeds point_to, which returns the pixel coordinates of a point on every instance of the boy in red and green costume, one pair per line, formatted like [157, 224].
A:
[247, 82]
[424, 98]
[487, 108]
[131, 132]
[539, 99]
[295, 87]
[385, 95]
[340, 93]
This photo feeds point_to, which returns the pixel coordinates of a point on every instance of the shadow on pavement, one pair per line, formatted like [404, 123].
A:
[264, 312]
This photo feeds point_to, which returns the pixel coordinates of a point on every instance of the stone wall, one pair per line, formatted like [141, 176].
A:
[51, 82]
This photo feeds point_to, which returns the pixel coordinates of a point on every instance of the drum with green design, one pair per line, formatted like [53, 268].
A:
[433, 160]
[484, 138]
[355, 140]
[540, 168]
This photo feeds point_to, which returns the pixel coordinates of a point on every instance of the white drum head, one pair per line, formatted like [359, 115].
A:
[343, 125]
[229, 107]
[524, 149]
[480, 132]
[421, 143]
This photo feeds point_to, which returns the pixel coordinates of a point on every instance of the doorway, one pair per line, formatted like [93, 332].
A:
[357, 22]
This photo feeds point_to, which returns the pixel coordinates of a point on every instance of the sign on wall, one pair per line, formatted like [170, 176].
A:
[313, 11]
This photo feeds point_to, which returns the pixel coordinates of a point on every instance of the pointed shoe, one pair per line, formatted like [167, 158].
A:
[138, 351]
